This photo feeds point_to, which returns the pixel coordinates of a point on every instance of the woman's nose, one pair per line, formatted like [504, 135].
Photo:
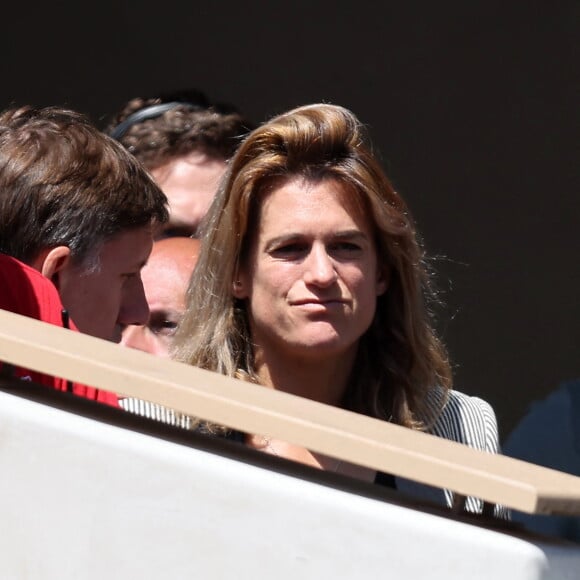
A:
[319, 267]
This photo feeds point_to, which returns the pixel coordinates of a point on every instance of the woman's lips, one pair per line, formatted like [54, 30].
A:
[318, 304]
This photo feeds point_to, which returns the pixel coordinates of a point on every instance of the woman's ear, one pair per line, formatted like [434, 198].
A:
[240, 284]
[52, 262]
[239, 287]
[383, 280]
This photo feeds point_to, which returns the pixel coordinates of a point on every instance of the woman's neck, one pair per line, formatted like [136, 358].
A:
[323, 380]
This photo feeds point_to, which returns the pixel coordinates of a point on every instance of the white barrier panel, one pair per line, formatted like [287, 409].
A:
[249, 408]
[81, 499]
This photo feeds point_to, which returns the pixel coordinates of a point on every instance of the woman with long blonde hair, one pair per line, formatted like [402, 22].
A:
[312, 280]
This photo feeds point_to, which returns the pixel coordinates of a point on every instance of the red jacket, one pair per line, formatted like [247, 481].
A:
[26, 291]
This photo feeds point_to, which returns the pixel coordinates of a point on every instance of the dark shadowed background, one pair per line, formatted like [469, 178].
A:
[472, 106]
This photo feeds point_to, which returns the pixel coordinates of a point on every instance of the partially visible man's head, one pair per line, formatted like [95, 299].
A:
[76, 206]
[165, 279]
[185, 141]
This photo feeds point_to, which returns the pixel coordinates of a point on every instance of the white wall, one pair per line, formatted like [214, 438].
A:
[83, 499]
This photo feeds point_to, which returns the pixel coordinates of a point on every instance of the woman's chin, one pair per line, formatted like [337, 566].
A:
[322, 346]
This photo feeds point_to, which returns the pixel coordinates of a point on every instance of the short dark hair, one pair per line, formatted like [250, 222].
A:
[64, 182]
[189, 122]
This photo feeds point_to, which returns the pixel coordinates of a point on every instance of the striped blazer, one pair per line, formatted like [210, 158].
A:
[467, 420]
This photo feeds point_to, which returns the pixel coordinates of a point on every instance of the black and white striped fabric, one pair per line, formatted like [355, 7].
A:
[156, 412]
[467, 420]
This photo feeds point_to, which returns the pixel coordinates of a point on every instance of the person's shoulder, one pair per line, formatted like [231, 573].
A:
[549, 433]
[549, 412]
[570, 390]
[559, 397]
[466, 419]
[15, 273]
[469, 404]
[26, 291]
[9, 264]
[455, 403]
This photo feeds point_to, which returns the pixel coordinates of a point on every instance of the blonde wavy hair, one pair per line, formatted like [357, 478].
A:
[400, 362]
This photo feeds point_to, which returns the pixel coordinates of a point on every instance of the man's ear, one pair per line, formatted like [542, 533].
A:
[52, 262]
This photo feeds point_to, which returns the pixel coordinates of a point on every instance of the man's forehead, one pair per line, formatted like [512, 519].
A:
[131, 246]
[182, 251]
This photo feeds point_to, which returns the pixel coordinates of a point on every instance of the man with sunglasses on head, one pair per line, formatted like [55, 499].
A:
[185, 141]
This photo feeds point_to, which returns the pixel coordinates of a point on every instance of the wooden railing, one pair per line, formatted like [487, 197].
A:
[250, 408]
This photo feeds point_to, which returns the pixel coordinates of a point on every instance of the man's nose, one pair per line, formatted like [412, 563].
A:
[134, 308]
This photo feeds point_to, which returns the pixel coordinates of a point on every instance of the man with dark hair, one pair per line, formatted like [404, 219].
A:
[185, 142]
[77, 207]
[25, 291]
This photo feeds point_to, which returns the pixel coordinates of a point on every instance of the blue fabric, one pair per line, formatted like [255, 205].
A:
[549, 435]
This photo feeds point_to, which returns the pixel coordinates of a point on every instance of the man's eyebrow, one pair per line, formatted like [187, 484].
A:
[142, 262]
[134, 268]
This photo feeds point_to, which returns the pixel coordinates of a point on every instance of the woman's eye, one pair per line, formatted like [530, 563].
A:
[345, 247]
[289, 250]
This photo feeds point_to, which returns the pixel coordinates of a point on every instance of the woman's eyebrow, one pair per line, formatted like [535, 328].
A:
[283, 239]
[352, 234]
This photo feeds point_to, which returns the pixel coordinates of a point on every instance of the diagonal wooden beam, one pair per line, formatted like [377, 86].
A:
[250, 408]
